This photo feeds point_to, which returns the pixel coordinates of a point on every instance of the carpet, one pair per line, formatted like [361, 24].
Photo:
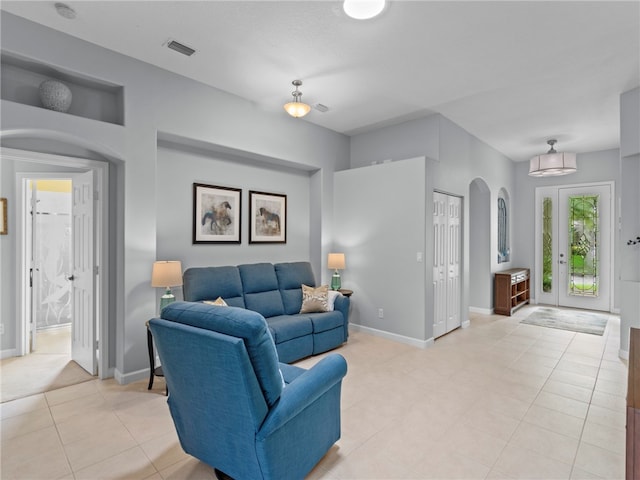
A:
[572, 320]
[50, 367]
[32, 374]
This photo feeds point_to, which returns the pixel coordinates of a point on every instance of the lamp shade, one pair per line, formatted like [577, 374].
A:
[297, 109]
[552, 164]
[336, 261]
[166, 274]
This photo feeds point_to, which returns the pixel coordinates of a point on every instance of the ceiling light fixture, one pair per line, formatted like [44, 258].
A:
[363, 9]
[552, 163]
[297, 108]
[65, 11]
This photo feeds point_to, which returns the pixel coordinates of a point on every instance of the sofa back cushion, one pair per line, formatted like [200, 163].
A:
[250, 326]
[291, 277]
[209, 283]
[260, 286]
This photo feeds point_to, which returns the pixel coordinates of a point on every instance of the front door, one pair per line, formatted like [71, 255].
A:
[573, 246]
[585, 247]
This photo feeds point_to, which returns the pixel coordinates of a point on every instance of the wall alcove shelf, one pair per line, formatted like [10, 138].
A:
[511, 290]
[92, 98]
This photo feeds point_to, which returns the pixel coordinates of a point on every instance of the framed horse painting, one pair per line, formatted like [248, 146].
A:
[216, 214]
[267, 217]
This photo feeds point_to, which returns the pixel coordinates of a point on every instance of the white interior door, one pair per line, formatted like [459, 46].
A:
[34, 264]
[446, 263]
[83, 346]
[439, 264]
[584, 247]
[454, 209]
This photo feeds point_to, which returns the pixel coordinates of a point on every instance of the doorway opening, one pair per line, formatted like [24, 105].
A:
[48, 244]
[88, 281]
[59, 265]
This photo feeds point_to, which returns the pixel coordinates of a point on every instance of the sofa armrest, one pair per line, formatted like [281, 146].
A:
[342, 304]
[303, 391]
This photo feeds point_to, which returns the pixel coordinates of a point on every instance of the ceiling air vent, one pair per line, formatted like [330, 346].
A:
[183, 49]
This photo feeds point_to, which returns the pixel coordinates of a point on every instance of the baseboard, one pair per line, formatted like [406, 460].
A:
[483, 311]
[126, 378]
[12, 352]
[414, 342]
[623, 354]
[466, 324]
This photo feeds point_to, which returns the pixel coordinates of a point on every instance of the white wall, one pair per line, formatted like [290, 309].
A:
[157, 103]
[630, 216]
[480, 249]
[380, 219]
[458, 159]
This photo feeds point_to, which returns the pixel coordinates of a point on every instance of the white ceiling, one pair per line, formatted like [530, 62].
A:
[512, 73]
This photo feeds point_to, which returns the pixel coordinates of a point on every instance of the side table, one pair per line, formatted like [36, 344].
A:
[346, 292]
[153, 370]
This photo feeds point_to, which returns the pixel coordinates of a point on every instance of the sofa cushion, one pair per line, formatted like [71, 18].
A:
[291, 276]
[286, 327]
[326, 321]
[240, 323]
[209, 283]
[315, 299]
[261, 289]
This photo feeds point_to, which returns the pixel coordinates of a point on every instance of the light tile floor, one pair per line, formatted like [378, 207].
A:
[497, 400]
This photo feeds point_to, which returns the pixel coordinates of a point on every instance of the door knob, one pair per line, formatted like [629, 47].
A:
[71, 278]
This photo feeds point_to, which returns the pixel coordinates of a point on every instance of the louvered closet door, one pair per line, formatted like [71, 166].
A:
[446, 263]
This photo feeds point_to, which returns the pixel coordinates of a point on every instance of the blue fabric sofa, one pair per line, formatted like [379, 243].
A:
[274, 291]
[234, 406]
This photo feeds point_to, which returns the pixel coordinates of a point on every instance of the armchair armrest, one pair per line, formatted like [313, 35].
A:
[303, 391]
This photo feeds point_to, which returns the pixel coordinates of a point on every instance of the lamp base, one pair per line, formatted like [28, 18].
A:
[166, 299]
[335, 281]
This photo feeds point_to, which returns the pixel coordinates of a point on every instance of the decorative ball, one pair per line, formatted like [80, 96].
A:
[55, 95]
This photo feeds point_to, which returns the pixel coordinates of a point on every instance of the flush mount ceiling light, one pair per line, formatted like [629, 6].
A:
[363, 9]
[552, 163]
[297, 108]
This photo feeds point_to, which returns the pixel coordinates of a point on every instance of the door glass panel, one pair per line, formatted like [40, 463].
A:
[547, 245]
[583, 245]
[53, 223]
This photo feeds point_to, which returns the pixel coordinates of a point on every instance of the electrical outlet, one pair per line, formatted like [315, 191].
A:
[419, 257]
[380, 313]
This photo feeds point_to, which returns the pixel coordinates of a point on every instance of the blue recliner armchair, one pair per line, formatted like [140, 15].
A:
[235, 407]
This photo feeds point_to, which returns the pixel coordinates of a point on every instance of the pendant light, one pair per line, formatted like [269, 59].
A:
[297, 108]
[552, 163]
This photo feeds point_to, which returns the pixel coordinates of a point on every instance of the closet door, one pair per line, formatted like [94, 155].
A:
[446, 263]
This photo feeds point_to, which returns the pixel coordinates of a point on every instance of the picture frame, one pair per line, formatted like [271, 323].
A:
[267, 217]
[4, 230]
[217, 213]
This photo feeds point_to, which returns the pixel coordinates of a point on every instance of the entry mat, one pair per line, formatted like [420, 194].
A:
[572, 320]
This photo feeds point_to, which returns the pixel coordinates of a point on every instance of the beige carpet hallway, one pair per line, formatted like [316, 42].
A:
[49, 368]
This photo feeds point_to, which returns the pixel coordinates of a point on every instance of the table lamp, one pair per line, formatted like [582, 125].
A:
[166, 274]
[336, 262]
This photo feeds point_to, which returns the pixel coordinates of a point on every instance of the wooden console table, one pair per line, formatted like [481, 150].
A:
[511, 290]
